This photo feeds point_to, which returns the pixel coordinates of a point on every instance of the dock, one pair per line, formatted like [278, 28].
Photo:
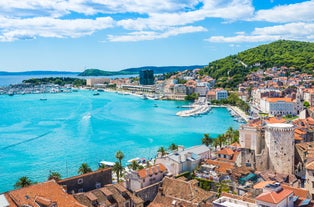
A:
[199, 107]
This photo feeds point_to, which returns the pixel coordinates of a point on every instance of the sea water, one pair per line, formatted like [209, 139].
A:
[60, 133]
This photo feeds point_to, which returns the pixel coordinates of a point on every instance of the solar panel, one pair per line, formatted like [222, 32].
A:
[305, 202]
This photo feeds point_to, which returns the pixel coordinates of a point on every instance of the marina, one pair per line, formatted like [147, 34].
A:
[79, 127]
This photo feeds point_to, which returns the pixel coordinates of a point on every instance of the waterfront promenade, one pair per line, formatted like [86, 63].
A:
[236, 110]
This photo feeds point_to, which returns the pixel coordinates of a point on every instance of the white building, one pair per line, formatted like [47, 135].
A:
[221, 94]
[184, 159]
[225, 201]
[275, 196]
[94, 81]
[278, 106]
[139, 179]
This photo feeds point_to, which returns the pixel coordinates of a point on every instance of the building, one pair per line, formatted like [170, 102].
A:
[184, 159]
[46, 194]
[139, 179]
[278, 106]
[110, 195]
[275, 196]
[91, 82]
[88, 181]
[229, 200]
[221, 94]
[178, 192]
[309, 176]
[279, 140]
[147, 77]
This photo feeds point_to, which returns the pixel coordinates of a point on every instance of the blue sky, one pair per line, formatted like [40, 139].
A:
[73, 35]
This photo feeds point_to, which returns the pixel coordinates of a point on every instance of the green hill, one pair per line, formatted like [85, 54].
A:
[130, 71]
[232, 70]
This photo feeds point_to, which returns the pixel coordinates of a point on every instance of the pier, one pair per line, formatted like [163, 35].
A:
[199, 107]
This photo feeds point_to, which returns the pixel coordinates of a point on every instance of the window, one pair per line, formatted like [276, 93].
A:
[80, 190]
[80, 181]
[98, 185]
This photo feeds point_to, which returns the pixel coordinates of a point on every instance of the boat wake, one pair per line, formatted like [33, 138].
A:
[25, 141]
[87, 116]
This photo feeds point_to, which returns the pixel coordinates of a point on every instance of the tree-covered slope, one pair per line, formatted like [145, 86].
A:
[232, 70]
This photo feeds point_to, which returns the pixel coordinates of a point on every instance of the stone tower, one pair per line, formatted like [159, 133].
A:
[279, 141]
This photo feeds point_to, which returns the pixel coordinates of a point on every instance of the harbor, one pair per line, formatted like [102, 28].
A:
[198, 108]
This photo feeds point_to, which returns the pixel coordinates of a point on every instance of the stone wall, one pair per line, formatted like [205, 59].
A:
[149, 193]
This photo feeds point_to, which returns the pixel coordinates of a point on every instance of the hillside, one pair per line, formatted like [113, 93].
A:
[232, 70]
[130, 71]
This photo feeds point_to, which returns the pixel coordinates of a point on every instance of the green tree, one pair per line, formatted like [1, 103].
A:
[120, 156]
[134, 165]
[23, 182]
[306, 104]
[173, 147]
[207, 140]
[84, 168]
[162, 151]
[54, 175]
[117, 168]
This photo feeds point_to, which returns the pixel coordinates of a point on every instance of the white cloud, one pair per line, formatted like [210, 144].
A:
[151, 35]
[287, 13]
[292, 31]
[14, 29]
[230, 11]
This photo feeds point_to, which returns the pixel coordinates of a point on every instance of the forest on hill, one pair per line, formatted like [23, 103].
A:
[232, 70]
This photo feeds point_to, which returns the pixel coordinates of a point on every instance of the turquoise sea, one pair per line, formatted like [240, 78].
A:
[71, 128]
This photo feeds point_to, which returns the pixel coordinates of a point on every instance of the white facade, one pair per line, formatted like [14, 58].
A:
[93, 81]
[136, 180]
[221, 94]
[184, 160]
[278, 106]
[232, 202]
[279, 139]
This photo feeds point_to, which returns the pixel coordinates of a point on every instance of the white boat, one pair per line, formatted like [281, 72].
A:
[106, 163]
[137, 159]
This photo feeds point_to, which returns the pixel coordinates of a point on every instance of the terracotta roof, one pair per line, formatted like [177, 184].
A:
[222, 167]
[279, 99]
[274, 120]
[143, 173]
[299, 131]
[301, 192]
[235, 144]
[297, 137]
[274, 197]
[310, 166]
[226, 151]
[262, 184]
[43, 193]
[84, 175]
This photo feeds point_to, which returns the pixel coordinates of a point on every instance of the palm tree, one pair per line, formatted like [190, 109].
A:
[229, 135]
[162, 150]
[117, 168]
[207, 140]
[120, 156]
[54, 175]
[221, 140]
[23, 182]
[134, 165]
[84, 168]
[173, 147]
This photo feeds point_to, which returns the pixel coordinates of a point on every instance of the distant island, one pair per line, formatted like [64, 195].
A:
[130, 71]
[39, 72]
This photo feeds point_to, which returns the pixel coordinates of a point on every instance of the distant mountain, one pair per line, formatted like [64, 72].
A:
[38, 73]
[130, 71]
[232, 70]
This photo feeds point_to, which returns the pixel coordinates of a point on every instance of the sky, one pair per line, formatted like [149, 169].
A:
[73, 35]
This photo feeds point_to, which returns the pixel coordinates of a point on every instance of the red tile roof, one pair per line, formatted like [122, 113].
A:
[226, 151]
[274, 197]
[143, 173]
[43, 193]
